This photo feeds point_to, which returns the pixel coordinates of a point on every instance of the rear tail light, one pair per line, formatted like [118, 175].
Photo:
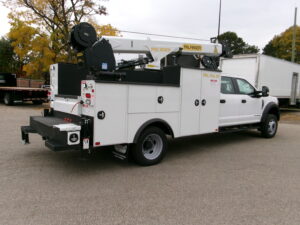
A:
[88, 95]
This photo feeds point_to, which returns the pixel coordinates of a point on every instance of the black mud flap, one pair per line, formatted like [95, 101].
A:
[121, 152]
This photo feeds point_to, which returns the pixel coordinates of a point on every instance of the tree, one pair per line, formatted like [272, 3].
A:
[281, 45]
[237, 44]
[32, 46]
[40, 29]
[56, 17]
[105, 30]
[9, 61]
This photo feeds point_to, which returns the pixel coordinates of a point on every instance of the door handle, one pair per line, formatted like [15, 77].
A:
[244, 101]
[222, 101]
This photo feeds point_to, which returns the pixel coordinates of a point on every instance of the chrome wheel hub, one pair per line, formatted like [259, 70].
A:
[272, 127]
[152, 146]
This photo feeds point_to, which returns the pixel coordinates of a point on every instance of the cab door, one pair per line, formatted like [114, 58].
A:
[249, 105]
[229, 102]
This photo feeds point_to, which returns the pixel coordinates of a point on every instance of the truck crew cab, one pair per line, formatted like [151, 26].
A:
[242, 105]
[174, 90]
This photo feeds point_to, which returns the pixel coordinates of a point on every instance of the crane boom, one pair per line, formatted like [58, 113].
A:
[160, 49]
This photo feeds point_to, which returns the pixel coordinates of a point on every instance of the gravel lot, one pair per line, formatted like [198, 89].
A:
[229, 179]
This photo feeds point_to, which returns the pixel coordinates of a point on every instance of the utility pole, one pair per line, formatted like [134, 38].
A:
[219, 25]
[294, 37]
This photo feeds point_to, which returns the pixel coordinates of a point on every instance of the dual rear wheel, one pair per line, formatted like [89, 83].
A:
[151, 147]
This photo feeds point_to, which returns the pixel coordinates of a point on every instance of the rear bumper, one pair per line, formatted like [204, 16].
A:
[59, 135]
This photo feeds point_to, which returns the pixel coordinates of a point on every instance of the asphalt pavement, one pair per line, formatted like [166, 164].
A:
[232, 179]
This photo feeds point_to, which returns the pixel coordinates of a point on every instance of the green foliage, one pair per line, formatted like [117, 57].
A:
[237, 44]
[281, 45]
[8, 59]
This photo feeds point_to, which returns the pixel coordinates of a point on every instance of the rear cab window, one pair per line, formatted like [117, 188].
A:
[227, 86]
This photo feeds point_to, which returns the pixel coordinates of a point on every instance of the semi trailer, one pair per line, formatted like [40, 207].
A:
[10, 92]
[281, 76]
[175, 90]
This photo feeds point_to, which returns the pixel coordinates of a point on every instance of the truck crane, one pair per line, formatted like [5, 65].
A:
[172, 90]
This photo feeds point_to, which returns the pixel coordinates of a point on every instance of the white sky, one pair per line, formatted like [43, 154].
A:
[256, 21]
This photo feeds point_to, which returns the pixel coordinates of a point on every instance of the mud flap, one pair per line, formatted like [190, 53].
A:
[121, 152]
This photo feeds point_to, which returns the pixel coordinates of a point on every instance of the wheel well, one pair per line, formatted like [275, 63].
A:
[275, 112]
[164, 126]
[271, 109]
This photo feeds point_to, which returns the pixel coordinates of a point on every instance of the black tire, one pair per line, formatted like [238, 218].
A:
[37, 102]
[269, 126]
[151, 147]
[8, 99]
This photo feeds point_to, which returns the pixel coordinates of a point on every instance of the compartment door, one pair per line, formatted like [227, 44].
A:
[110, 120]
[190, 101]
[210, 102]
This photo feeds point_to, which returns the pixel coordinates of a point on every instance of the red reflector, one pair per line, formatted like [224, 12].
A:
[49, 93]
[97, 143]
[93, 90]
[88, 95]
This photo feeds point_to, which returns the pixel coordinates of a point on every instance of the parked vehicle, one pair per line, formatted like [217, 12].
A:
[9, 92]
[282, 77]
[135, 110]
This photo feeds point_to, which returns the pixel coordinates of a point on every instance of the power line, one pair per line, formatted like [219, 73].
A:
[162, 35]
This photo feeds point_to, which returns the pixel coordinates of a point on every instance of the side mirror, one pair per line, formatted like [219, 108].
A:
[265, 91]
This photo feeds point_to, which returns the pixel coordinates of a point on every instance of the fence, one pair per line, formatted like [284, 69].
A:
[24, 82]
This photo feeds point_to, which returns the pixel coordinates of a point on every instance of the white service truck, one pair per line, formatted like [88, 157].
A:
[175, 91]
[281, 76]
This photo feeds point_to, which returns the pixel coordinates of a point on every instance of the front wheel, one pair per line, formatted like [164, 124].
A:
[269, 126]
[151, 147]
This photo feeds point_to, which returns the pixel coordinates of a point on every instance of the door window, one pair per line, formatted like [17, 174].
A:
[245, 87]
[227, 86]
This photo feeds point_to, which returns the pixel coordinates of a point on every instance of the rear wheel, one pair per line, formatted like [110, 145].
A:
[8, 99]
[151, 147]
[269, 126]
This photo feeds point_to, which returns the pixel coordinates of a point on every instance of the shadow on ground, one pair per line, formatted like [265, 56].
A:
[102, 159]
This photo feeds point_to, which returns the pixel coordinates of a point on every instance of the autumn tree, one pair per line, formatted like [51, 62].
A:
[33, 47]
[105, 30]
[281, 45]
[40, 29]
[237, 44]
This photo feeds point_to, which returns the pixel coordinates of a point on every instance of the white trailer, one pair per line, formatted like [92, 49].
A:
[282, 77]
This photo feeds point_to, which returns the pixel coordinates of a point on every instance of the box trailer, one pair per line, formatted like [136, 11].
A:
[281, 76]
